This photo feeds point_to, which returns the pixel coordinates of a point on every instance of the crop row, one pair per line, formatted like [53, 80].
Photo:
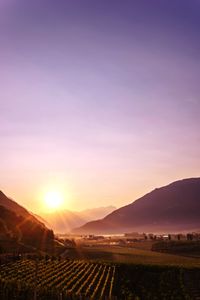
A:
[68, 277]
[78, 279]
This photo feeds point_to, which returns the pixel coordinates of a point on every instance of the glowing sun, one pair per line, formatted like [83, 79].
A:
[53, 200]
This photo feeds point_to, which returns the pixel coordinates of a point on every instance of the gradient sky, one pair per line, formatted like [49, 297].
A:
[99, 98]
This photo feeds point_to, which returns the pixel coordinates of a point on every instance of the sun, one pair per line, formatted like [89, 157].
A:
[53, 200]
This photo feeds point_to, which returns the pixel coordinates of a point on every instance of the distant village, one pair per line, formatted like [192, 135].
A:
[194, 236]
[127, 239]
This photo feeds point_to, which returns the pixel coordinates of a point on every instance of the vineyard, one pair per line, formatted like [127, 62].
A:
[78, 279]
[56, 280]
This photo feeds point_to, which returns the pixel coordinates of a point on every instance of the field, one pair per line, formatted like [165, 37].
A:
[79, 279]
[184, 248]
[133, 255]
[54, 279]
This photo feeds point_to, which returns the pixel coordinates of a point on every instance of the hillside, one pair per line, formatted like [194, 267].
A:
[21, 230]
[175, 207]
[64, 221]
[15, 207]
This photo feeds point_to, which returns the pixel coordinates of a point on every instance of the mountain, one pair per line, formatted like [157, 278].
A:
[172, 208]
[20, 230]
[19, 210]
[96, 213]
[64, 221]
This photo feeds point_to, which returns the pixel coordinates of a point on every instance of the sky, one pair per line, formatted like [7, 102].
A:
[98, 99]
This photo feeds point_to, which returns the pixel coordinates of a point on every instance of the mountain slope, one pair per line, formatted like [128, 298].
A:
[21, 229]
[16, 208]
[169, 208]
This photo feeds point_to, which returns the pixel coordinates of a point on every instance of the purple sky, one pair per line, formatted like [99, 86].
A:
[98, 97]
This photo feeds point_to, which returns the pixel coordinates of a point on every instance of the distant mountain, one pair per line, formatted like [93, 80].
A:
[172, 208]
[96, 213]
[64, 221]
[19, 229]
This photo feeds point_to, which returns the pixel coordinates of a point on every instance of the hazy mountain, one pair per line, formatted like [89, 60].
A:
[175, 207]
[19, 229]
[64, 221]
[96, 213]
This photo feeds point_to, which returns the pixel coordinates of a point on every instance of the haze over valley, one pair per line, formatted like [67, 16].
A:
[172, 208]
[63, 221]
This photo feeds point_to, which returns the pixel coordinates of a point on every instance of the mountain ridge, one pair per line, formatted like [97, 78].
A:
[175, 206]
[12, 205]
[20, 231]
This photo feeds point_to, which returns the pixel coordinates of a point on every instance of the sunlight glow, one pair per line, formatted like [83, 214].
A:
[53, 200]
